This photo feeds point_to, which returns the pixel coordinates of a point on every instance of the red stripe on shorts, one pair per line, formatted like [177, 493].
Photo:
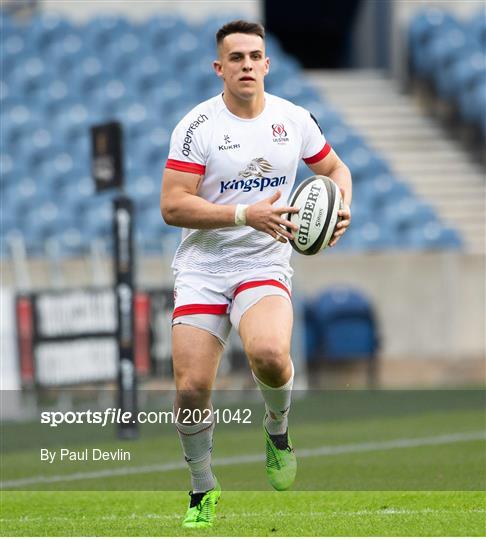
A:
[320, 155]
[261, 283]
[198, 309]
[185, 166]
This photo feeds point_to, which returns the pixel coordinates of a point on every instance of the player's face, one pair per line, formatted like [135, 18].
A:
[242, 64]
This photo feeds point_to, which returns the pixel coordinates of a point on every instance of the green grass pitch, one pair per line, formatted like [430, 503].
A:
[414, 470]
[313, 513]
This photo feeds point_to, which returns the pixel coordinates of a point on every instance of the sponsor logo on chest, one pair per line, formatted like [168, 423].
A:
[186, 146]
[279, 134]
[228, 145]
[255, 176]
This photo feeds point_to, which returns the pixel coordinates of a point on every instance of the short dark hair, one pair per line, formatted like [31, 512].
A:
[239, 27]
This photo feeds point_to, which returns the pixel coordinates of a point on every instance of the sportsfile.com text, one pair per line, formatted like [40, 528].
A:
[113, 415]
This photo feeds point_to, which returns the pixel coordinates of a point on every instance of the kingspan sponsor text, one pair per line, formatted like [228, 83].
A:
[253, 183]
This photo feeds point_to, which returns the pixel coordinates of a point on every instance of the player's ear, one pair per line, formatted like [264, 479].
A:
[267, 65]
[218, 68]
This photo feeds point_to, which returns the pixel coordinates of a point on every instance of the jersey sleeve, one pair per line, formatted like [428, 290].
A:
[187, 150]
[314, 144]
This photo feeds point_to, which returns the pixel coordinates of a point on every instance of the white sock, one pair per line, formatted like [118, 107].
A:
[277, 404]
[197, 444]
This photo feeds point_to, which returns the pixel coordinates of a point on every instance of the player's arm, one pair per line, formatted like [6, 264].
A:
[182, 207]
[335, 169]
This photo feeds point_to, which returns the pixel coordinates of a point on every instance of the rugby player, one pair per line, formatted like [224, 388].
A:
[229, 174]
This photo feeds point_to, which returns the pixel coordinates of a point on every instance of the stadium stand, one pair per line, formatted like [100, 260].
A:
[448, 55]
[59, 78]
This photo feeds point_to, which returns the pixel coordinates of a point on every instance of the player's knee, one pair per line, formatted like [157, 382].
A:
[192, 394]
[268, 357]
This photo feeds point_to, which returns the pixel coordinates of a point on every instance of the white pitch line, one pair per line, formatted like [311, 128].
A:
[253, 458]
[240, 515]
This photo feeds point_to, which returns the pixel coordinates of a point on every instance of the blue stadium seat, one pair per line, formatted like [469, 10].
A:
[282, 68]
[136, 119]
[343, 139]
[424, 26]
[25, 193]
[161, 30]
[100, 31]
[297, 91]
[89, 73]
[149, 73]
[385, 190]
[47, 28]
[445, 49]
[96, 218]
[74, 190]
[183, 48]
[476, 27]
[407, 210]
[10, 218]
[75, 121]
[56, 97]
[340, 325]
[7, 162]
[124, 53]
[73, 241]
[373, 235]
[31, 75]
[47, 219]
[7, 96]
[112, 95]
[466, 72]
[207, 28]
[364, 163]
[144, 190]
[441, 51]
[15, 48]
[152, 230]
[472, 102]
[328, 118]
[432, 235]
[67, 52]
[446, 82]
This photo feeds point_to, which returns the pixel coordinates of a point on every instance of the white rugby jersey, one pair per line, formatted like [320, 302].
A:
[242, 162]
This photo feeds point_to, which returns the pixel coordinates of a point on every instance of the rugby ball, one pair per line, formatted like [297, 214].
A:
[319, 201]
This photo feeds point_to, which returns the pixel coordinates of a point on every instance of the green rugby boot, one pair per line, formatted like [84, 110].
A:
[202, 508]
[281, 464]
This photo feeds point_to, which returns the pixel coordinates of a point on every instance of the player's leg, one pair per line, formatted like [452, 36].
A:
[265, 327]
[196, 355]
[200, 328]
[265, 330]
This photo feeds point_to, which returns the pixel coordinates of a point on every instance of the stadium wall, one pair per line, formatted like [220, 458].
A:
[192, 10]
[430, 306]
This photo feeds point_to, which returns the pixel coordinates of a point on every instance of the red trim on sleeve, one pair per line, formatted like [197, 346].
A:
[185, 166]
[252, 284]
[198, 309]
[320, 155]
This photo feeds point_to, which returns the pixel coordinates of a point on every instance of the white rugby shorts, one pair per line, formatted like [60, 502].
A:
[215, 302]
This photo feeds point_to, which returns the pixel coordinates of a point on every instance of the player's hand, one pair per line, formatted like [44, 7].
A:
[341, 227]
[263, 216]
